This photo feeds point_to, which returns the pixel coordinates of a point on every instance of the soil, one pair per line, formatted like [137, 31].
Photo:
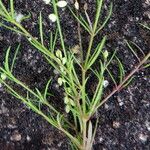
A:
[124, 120]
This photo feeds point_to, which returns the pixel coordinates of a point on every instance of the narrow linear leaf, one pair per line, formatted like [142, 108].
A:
[96, 54]
[106, 20]
[14, 58]
[41, 27]
[121, 69]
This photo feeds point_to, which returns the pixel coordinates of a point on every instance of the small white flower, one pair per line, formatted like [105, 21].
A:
[59, 54]
[61, 4]
[46, 1]
[60, 81]
[3, 76]
[66, 100]
[67, 108]
[64, 60]
[76, 5]
[55, 72]
[105, 83]
[18, 17]
[105, 54]
[29, 38]
[52, 17]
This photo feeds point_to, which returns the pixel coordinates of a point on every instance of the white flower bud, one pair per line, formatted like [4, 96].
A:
[52, 17]
[105, 54]
[66, 100]
[3, 76]
[64, 60]
[61, 4]
[67, 108]
[105, 83]
[60, 81]
[59, 54]
[46, 1]
[18, 17]
[76, 5]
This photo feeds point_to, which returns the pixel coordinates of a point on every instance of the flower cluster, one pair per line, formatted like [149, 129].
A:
[69, 103]
[60, 4]
[67, 100]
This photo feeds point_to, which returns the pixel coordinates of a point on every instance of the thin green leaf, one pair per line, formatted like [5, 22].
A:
[133, 51]
[6, 63]
[96, 54]
[145, 26]
[12, 8]
[5, 10]
[46, 88]
[128, 82]
[81, 21]
[147, 65]
[121, 69]
[14, 58]
[112, 77]
[11, 28]
[106, 20]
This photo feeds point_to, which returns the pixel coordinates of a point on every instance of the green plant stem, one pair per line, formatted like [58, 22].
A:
[94, 30]
[83, 92]
[59, 27]
[84, 133]
[80, 40]
[89, 50]
[97, 15]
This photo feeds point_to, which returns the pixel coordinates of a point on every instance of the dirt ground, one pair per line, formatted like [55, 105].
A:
[124, 120]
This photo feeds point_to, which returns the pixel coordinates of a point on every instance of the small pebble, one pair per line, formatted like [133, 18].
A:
[3, 109]
[28, 138]
[142, 137]
[101, 139]
[116, 124]
[16, 136]
[147, 124]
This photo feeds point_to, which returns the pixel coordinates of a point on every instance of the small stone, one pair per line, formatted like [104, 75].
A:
[147, 124]
[106, 106]
[11, 126]
[142, 137]
[16, 136]
[28, 138]
[3, 109]
[116, 124]
[101, 139]
[120, 101]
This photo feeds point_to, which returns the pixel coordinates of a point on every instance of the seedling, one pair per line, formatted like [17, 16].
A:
[79, 105]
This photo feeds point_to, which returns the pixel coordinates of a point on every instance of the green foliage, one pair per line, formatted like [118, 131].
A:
[78, 104]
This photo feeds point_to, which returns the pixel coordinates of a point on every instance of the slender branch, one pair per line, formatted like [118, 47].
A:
[119, 87]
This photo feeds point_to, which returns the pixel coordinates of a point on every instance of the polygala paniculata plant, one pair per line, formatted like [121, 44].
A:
[74, 67]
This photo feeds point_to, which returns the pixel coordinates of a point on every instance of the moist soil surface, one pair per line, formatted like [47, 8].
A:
[124, 121]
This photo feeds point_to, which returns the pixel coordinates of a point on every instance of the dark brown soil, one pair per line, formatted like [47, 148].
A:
[124, 120]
